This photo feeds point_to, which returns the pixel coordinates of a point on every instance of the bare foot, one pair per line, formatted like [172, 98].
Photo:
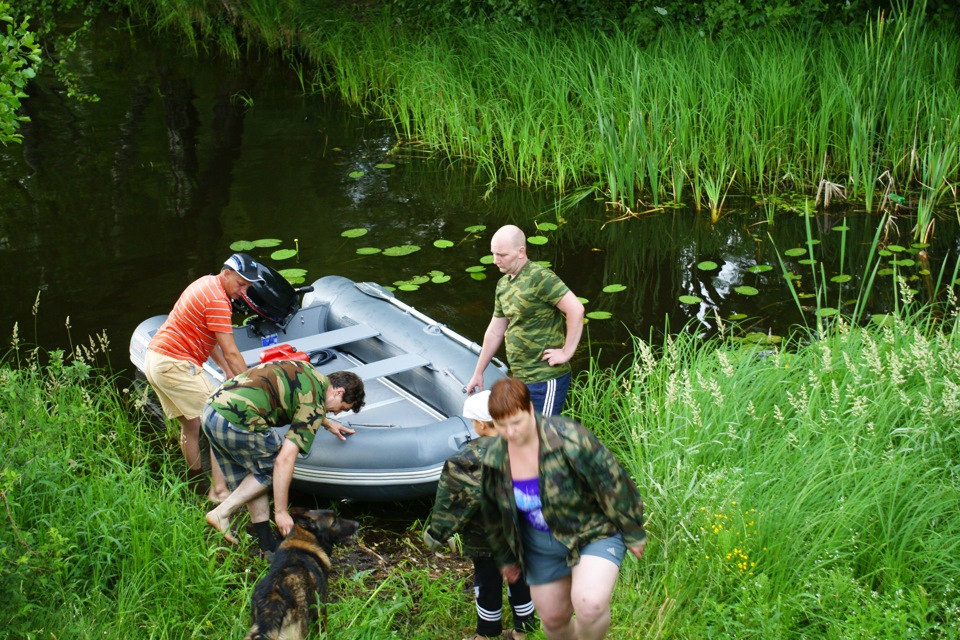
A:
[220, 524]
[216, 497]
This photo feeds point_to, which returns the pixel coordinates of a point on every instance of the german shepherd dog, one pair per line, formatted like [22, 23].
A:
[284, 603]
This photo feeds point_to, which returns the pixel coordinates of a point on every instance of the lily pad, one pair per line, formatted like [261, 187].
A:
[283, 254]
[440, 279]
[354, 233]
[356, 174]
[707, 265]
[599, 315]
[840, 279]
[758, 337]
[826, 312]
[614, 288]
[478, 276]
[760, 268]
[807, 261]
[895, 248]
[403, 250]
[885, 272]
[367, 251]
[546, 226]
[265, 243]
[737, 316]
[842, 227]
[537, 240]
[293, 273]
[746, 290]
[487, 259]
[796, 251]
[384, 165]
[242, 245]
[477, 228]
[475, 269]
[408, 287]
[906, 262]
[442, 244]
[687, 299]
[582, 300]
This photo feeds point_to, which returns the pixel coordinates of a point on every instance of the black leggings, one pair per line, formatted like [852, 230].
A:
[488, 590]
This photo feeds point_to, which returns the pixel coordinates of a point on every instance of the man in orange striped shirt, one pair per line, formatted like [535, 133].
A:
[199, 327]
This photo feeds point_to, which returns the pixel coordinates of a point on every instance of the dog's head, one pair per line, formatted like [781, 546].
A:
[324, 524]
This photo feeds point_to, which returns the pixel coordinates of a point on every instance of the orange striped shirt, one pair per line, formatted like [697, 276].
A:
[189, 332]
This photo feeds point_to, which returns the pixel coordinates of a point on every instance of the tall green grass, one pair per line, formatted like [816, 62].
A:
[809, 491]
[639, 122]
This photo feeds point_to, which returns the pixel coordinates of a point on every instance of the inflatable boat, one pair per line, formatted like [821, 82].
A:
[414, 369]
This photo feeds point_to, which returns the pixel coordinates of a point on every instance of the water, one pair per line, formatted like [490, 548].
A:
[109, 209]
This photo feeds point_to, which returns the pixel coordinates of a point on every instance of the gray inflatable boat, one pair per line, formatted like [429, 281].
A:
[415, 372]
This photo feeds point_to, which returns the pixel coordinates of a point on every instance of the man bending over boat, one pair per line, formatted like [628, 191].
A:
[239, 418]
[199, 327]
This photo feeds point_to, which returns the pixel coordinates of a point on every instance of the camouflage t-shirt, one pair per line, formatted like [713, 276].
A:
[276, 394]
[529, 303]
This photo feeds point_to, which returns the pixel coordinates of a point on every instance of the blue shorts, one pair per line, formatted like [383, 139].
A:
[241, 452]
[548, 397]
[545, 558]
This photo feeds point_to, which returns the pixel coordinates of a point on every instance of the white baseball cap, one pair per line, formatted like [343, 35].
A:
[475, 408]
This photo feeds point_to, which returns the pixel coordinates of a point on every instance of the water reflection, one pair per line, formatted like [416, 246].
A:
[111, 208]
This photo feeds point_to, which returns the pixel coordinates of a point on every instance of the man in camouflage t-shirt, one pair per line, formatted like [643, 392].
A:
[238, 420]
[538, 317]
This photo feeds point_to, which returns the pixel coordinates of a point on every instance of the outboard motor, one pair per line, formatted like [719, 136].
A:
[272, 299]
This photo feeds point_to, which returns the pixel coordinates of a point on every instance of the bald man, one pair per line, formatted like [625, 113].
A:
[540, 319]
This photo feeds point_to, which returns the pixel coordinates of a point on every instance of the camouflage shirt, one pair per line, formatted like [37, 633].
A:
[529, 303]
[457, 505]
[276, 394]
[586, 493]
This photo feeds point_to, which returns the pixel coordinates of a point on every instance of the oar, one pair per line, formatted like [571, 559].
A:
[374, 290]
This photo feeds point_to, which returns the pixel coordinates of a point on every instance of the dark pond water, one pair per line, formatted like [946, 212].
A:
[109, 209]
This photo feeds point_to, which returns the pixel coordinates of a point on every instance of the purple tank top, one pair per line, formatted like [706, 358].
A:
[527, 495]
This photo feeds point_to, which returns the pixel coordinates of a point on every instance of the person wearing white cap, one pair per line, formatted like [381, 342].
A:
[199, 327]
[457, 510]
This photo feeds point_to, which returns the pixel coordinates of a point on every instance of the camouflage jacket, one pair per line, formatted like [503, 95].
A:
[273, 395]
[586, 493]
[457, 505]
[529, 303]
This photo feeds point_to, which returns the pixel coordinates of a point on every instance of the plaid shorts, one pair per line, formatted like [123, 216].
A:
[241, 452]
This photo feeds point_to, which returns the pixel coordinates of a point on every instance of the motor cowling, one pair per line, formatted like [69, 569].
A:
[272, 298]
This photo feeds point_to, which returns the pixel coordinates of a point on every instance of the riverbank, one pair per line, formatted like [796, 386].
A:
[865, 113]
[789, 493]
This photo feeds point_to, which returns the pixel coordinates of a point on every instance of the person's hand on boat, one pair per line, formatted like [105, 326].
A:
[338, 429]
[475, 384]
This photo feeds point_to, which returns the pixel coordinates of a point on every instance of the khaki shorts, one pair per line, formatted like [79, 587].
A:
[182, 387]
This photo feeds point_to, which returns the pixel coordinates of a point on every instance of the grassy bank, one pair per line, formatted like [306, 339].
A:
[791, 493]
[867, 111]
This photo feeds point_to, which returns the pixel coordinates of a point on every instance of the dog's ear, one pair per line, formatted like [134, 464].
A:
[296, 511]
[306, 518]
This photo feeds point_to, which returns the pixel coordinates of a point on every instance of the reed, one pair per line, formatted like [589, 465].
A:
[567, 107]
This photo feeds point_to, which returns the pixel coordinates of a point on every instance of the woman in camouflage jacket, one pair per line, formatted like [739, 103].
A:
[560, 505]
